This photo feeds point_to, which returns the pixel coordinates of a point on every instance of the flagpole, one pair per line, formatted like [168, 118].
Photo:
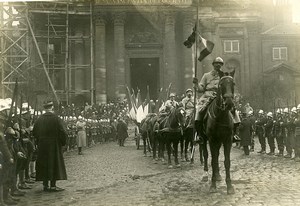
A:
[195, 74]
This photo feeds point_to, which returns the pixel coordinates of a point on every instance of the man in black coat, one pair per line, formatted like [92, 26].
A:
[51, 136]
[122, 133]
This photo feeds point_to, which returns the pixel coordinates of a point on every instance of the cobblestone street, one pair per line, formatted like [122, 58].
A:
[111, 175]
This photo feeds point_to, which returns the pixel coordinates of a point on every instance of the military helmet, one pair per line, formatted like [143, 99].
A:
[260, 111]
[270, 114]
[172, 95]
[279, 111]
[188, 90]
[218, 60]
[250, 112]
[286, 110]
[298, 107]
[294, 110]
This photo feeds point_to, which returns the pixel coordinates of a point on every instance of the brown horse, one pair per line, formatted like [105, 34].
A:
[170, 130]
[218, 130]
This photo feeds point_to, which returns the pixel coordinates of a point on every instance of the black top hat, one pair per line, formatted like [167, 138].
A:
[48, 104]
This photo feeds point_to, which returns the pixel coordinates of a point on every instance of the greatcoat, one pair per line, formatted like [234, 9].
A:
[51, 135]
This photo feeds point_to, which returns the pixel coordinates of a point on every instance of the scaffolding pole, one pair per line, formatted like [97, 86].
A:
[67, 79]
[92, 54]
[42, 60]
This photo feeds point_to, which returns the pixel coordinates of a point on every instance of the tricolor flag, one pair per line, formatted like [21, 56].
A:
[206, 48]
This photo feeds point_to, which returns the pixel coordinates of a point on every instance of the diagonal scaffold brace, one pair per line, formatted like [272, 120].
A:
[42, 60]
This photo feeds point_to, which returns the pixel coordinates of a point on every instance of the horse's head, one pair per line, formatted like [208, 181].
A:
[180, 116]
[226, 89]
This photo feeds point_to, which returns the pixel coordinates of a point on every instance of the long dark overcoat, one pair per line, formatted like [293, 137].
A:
[51, 136]
[245, 132]
[122, 130]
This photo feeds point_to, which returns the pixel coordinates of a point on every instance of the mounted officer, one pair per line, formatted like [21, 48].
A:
[171, 102]
[208, 86]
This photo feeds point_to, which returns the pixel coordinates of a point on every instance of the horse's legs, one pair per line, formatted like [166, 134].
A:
[205, 154]
[188, 136]
[169, 149]
[214, 150]
[154, 137]
[175, 142]
[227, 149]
[181, 146]
[203, 150]
[145, 143]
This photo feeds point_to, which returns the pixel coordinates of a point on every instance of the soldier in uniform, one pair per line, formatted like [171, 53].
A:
[259, 130]
[297, 135]
[269, 133]
[170, 103]
[252, 120]
[279, 132]
[188, 102]
[290, 127]
[208, 86]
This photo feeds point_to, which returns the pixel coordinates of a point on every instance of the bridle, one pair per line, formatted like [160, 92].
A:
[223, 104]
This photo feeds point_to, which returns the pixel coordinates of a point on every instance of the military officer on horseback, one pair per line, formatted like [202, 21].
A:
[188, 102]
[171, 102]
[208, 86]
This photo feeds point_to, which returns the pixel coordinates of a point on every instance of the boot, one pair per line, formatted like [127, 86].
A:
[187, 157]
[280, 154]
[79, 151]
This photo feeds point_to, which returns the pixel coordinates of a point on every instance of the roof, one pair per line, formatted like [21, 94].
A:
[281, 66]
[283, 29]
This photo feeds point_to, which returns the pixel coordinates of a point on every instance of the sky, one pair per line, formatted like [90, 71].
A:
[296, 11]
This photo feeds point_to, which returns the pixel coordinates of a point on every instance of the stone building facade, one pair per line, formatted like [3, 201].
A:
[139, 43]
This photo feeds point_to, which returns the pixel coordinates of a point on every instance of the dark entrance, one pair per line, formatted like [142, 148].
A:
[143, 72]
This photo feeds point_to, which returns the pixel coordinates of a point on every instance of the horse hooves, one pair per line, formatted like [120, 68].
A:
[212, 189]
[219, 178]
[182, 160]
[187, 160]
[178, 165]
[205, 179]
[230, 190]
[170, 167]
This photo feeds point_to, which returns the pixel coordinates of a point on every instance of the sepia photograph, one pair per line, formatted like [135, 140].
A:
[150, 102]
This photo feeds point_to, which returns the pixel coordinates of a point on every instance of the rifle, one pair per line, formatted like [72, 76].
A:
[20, 115]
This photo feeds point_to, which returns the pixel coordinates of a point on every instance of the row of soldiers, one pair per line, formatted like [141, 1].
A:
[97, 131]
[284, 127]
[17, 167]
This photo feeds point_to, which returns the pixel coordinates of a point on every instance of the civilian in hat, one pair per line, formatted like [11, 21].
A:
[51, 137]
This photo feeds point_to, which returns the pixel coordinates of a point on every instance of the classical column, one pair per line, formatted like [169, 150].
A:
[207, 34]
[100, 60]
[188, 25]
[119, 51]
[79, 59]
[170, 66]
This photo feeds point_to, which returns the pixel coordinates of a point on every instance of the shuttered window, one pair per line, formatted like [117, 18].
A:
[231, 46]
[279, 53]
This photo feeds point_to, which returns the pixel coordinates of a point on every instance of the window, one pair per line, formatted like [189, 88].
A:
[231, 46]
[279, 53]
